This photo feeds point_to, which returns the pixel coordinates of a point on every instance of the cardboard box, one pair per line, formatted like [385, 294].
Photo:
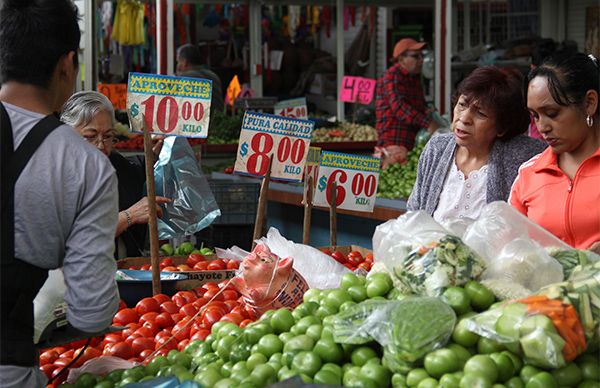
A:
[194, 278]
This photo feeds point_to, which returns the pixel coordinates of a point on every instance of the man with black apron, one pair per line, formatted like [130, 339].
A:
[58, 193]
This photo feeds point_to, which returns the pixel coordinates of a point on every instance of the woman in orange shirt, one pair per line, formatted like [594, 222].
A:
[560, 188]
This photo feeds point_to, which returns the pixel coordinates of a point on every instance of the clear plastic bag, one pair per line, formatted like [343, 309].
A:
[526, 328]
[395, 239]
[319, 269]
[422, 256]
[178, 177]
[99, 366]
[514, 249]
[407, 329]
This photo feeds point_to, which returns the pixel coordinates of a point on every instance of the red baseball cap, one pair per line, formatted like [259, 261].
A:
[407, 44]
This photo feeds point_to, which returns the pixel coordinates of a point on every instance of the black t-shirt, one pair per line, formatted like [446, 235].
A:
[131, 176]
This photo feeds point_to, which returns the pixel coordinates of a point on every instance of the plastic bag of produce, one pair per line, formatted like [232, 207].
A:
[546, 332]
[268, 282]
[407, 329]
[431, 268]
[395, 239]
[582, 290]
[513, 247]
[178, 177]
[422, 256]
[99, 366]
[571, 258]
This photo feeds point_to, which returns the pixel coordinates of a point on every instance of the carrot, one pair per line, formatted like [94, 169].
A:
[533, 299]
[569, 352]
[423, 250]
[544, 308]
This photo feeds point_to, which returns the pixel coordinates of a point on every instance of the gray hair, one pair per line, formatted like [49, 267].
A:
[81, 108]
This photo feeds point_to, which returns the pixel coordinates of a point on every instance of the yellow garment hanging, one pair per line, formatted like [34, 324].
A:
[128, 28]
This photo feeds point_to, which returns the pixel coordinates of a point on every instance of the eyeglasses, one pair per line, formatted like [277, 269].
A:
[106, 140]
[415, 56]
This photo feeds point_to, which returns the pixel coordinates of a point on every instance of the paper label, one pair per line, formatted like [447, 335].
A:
[357, 89]
[356, 180]
[177, 106]
[284, 140]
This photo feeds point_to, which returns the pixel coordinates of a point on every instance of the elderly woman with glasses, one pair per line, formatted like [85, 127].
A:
[92, 115]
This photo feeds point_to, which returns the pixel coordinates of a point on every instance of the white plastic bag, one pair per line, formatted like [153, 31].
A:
[395, 239]
[318, 269]
[49, 304]
[514, 249]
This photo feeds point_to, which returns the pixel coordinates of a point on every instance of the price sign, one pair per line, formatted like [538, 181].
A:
[312, 165]
[294, 108]
[171, 105]
[116, 93]
[284, 140]
[357, 89]
[356, 178]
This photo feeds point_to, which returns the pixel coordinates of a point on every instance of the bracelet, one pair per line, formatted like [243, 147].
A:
[128, 218]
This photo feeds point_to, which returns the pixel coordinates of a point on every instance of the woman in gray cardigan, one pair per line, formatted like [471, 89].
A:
[459, 173]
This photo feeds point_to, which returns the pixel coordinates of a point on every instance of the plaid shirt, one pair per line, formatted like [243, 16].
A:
[400, 108]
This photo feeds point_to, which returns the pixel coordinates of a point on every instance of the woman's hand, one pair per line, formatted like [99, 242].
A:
[394, 154]
[595, 247]
[140, 211]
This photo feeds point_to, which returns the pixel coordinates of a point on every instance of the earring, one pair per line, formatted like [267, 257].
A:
[589, 121]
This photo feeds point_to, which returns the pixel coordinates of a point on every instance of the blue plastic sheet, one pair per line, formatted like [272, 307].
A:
[178, 176]
[164, 382]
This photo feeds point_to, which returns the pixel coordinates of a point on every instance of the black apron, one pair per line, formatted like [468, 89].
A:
[20, 280]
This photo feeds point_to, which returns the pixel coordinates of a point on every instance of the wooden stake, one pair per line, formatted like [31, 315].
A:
[308, 195]
[262, 206]
[333, 217]
[152, 222]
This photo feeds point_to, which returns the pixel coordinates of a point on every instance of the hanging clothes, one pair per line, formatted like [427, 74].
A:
[128, 26]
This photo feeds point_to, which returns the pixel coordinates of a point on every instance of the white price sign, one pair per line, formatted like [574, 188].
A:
[171, 105]
[294, 108]
[356, 179]
[284, 140]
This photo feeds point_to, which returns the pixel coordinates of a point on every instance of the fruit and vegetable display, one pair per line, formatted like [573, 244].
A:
[353, 260]
[194, 262]
[224, 128]
[425, 321]
[344, 131]
[397, 180]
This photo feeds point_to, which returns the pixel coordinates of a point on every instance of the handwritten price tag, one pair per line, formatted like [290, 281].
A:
[294, 108]
[116, 93]
[171, 105]
[357, 89]
[356, 178]
[265, 136]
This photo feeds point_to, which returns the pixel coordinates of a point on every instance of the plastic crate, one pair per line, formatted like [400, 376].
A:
[226, 236]
[238, 201]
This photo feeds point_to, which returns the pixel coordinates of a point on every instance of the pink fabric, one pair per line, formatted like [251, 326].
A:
[533, 131]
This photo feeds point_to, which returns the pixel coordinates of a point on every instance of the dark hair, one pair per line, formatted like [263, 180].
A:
[499, 90]
[34, 35]
[569, 77]
[543, 49]
[190, 53]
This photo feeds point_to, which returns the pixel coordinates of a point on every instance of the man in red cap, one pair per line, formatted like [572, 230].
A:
[400, 106]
